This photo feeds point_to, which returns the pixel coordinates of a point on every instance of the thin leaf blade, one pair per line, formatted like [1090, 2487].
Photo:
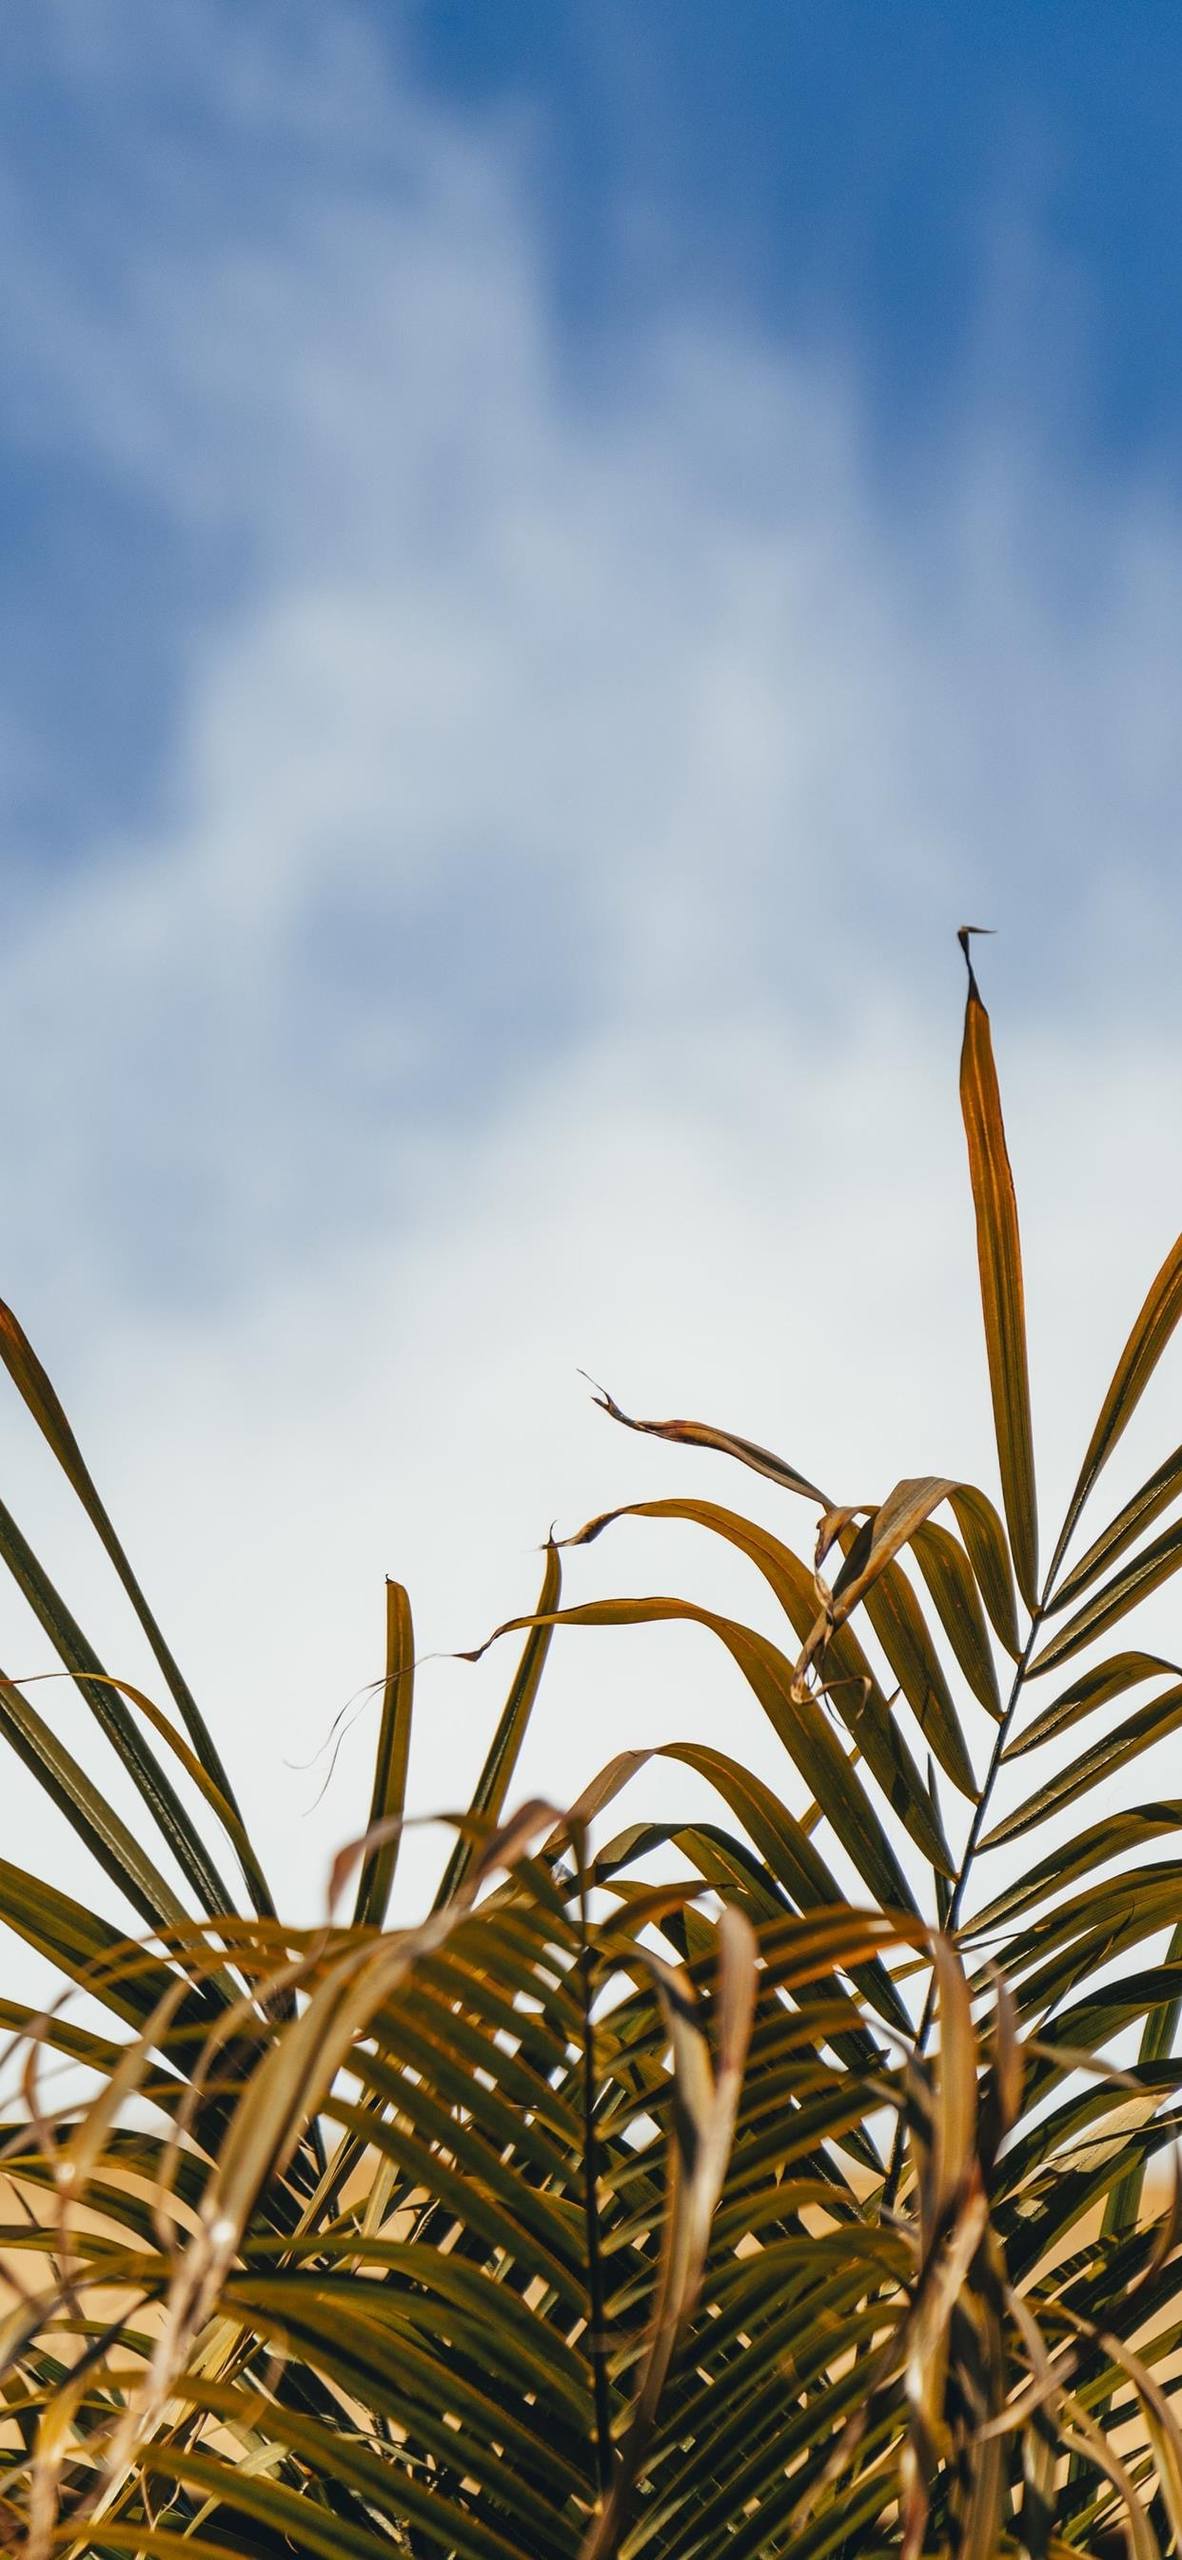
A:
[999, 1255]
[391, 1761]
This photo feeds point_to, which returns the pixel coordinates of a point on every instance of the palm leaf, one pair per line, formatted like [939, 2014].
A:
[559, 2224]
[1146, 1343]
[391, 1762]
[999, 1255]
[43, 1402]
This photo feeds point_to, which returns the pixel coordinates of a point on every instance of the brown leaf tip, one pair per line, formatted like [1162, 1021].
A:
[963, 934]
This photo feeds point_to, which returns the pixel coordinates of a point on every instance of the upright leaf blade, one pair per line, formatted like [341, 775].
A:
[1144, 1507]
[1134, 1582]
[1105, 1681]
[999, 1255]
[40, 1396]
[495, 1778]
[1134, 1369]
[94, 1822]
[110, 1712]
[391, 1761]
[1102, 1760]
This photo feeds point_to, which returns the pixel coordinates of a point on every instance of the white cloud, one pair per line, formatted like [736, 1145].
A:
[548, 957]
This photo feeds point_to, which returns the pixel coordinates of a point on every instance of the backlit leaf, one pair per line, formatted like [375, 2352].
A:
[999, 1255]
[1146, 1343]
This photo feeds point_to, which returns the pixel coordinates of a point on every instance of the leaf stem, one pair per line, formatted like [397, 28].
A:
[604, 2459]
[976, 1826]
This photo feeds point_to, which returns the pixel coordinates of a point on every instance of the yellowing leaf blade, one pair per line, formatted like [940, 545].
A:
[999, 1255]
[1146, 1343]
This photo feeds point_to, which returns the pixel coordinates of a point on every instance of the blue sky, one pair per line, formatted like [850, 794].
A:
[966, 213]
[843, 170]
[554, 553]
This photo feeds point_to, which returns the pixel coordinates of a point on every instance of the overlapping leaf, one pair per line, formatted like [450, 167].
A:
[648, 2200]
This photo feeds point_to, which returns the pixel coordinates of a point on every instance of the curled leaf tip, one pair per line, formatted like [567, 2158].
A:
[964, 932]
[615, 1412]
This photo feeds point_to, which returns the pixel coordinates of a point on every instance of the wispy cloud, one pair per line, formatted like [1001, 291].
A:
[539, 945]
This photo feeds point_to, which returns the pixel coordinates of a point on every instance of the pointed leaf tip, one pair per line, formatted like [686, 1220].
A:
[964, 933]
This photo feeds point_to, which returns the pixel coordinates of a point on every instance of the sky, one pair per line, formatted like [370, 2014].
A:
[553, 554]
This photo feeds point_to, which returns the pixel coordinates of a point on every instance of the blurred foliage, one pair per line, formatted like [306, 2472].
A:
[747, 2184]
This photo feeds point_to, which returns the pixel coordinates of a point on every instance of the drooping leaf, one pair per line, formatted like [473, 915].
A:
[897, 1619]
[706, 2102]
[231, 2342]
[888, 1528]
[989, 1556]
[947, 1573]
[848, 1680]
[797, 1719]
[789, 1853]
[729, 1444]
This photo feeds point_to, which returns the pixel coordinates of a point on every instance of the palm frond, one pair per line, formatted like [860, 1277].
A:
[767, 2181]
